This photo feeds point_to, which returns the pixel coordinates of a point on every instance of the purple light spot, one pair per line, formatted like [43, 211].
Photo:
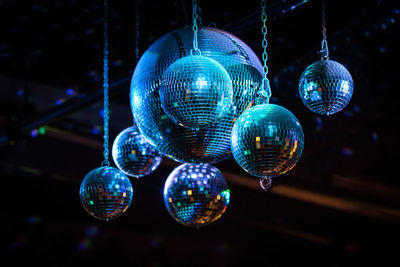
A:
[318, 120]
[96, 129]
[347, 152]
[70, 92]
[375, 137]
[91, 231]
[20, 92]
[101, 113]
[60, 101]
[348, 113]
[34, 133]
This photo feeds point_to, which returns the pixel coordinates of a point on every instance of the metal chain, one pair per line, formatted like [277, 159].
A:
[137, 51]
[137, 21]
[106, 161]
[324, 52]
[266, 90]
[195, 28]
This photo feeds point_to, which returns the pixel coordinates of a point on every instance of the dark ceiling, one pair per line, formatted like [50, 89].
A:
[340, 206]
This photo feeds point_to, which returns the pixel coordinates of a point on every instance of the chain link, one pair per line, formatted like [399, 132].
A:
[266, 90]
[106, 161]
[137, 22]
[324, 52]
[195, 28]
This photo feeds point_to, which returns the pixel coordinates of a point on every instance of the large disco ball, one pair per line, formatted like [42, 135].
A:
[326, 87]
[196, 195]
[208, 144]
[196, 91]
[106, 193]
[267, 140]
[133, 155]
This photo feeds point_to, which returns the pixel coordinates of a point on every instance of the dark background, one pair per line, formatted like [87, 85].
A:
[339, 207]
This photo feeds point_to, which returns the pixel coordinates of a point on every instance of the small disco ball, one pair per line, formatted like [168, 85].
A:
[267, 140]
[196, 195]
[133, 155]
[207, 144]
[196, 91]
[106, 193]
[326, 87]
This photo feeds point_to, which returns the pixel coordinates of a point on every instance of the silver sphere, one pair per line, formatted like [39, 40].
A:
[133, 155]
[106, 193]
[208, 144]
[196, 91]
[196, 195]
[326, 87]
[267, 141]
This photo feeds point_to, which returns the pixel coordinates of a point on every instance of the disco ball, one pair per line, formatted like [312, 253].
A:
[208, 144]
[267, 140]
[133, 155]
[326, 87]
[106, 193]
[196, 91]
[196, 195]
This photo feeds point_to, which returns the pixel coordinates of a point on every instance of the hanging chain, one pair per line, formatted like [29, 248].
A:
[195, 28]
[106, 161]
[324, 52]
[266, 90]
[137, 54]
[137, 21]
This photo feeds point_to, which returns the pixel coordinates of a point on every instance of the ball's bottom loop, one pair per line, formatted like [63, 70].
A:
[266, 183]
[105, 163]
[195, 52]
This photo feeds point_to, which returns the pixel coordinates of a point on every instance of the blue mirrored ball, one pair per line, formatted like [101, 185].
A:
[196, 195]
[212, 142]
[196, 91]
[267, 140]
[106, 193]
[326, 87]
[133, 155]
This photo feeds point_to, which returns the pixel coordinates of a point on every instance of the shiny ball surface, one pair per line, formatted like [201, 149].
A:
[196, 195]
[208, 144]
[106, 193]
[196, 91]
[133, 155]
[267, 140]
[326, 87]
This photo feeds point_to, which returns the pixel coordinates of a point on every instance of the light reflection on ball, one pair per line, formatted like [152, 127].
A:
[208, 144]
[133, 155]
[196, 91]
[106, 193]
[267, 140]
[196, 195]
[326, 87]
